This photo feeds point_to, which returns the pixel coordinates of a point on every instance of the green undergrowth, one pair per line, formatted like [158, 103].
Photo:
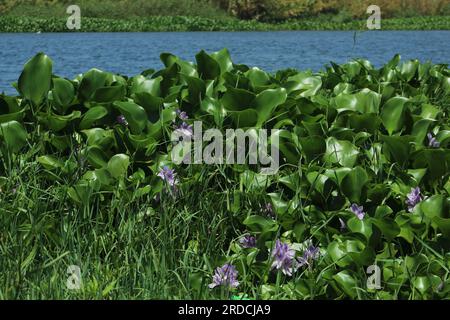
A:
[363, 180]
[197, 23]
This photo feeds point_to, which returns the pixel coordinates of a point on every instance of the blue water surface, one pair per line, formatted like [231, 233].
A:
[131, 53]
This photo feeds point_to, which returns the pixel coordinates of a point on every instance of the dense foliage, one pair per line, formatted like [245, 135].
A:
[244, 9]
[86, 176]
[181, 23]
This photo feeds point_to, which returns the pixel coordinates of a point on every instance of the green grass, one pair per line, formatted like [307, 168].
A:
[115, 9]
[184, 23]
[137, 252]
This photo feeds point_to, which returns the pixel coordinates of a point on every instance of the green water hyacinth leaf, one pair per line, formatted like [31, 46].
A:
[13, 136]
[443, 225]
[287, 146]
[337, 174]
[245, 118]
[63, 93]
[279, 204]
[351, 69]
[260, 224]
[223, 58]
[208, 67]
[50, 162]
[134, 114]
[313, 147]
[422, 284]
[339, 251]
[10, 109]
[444, 138]
[354, 183]
[236, 99]
[99, 136]
[90, 82]
[365, 122]
[266, 102]
[363, 226]
[109, 94]
[151, 104]
[185, 67]
[435, 160]
[57, 122]
[257, 77]
[254, 181]
[420, 130]
[408, 69]
[92, 115]
[346, 283]
[387, 226]
[196, 89]
[430, 112]
[393, 114]
[304, 84]
[118, 165]
[214, 108]
[365, 101]
[435, 206]
[141, 84]
[35, 79]
[292, 181]
[143, 141]
[340, 151]
[96, 156]
[320, 182]
[397, 148]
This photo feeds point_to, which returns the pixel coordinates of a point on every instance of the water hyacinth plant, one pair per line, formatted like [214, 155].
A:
[168, 175]
[354, 147]
[225, 276]
[358, 211]
[283, 258]
[248, 241]
[185, 130]
[309, 255]
[413, 198]
[432, 142]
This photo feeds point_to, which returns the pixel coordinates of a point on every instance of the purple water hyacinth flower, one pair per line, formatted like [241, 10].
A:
[168, 175]
[268, 210]
[358, 211]
[309, 255]
[122, 120]
[343, 225]
[413, 198]
[248, 241]
[283, 258]
[185, 130]
[182, 115]
[432, 142]
[225, 276]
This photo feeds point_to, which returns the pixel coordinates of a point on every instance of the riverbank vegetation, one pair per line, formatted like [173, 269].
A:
[224, 15]
[87, 179]
[182, 23]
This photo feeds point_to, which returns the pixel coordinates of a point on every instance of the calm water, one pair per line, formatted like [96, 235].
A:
[130, 53]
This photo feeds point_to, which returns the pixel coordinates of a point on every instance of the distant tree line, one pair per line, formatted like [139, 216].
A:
[283, 9]
[244, 9]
